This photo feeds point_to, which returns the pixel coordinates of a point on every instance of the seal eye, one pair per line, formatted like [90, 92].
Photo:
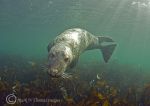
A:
[66, 59]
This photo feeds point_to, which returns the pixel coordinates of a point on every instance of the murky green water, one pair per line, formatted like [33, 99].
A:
[27, 26]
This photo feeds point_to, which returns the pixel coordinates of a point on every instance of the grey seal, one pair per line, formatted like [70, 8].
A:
[64, 51]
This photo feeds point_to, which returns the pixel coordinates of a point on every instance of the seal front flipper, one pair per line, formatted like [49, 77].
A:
[50, 45]
[107, 51]
[73, 64]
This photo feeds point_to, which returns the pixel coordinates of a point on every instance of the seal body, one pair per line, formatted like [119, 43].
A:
[66, 48]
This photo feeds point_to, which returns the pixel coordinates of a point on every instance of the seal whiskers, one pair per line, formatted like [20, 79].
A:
[67, 75]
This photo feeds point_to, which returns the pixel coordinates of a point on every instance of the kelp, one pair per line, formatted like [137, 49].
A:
[33, 87]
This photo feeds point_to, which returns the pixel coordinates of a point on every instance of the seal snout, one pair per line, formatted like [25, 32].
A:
[53, 72]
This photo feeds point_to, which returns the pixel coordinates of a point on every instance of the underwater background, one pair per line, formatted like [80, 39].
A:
[27, 27]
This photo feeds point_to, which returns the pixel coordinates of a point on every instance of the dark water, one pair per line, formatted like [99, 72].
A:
[27, 26]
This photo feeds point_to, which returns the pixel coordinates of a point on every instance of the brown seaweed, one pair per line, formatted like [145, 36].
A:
[38, 89]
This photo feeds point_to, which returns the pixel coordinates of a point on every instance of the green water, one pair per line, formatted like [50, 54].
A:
[27, 26]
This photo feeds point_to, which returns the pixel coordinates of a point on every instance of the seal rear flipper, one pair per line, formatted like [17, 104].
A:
[105, 39]
[107, 51]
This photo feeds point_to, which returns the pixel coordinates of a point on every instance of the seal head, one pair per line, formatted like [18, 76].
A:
[59, 58]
